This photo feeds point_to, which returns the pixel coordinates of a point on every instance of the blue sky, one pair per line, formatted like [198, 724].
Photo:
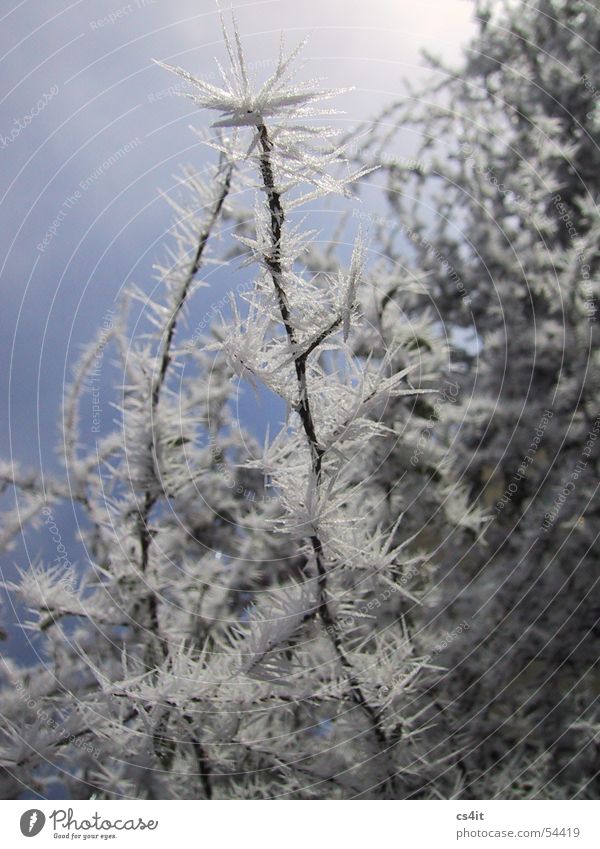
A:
[79, 86]
[90, 64]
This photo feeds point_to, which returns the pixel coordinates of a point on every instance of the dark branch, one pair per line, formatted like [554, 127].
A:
[274, 263]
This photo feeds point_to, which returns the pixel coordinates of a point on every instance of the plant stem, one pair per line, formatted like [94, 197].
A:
[274, 263]
[150, 499]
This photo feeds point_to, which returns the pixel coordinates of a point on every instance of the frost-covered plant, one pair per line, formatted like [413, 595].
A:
[239, 630]
[497, 213]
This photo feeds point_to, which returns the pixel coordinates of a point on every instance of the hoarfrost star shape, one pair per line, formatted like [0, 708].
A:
[242, 107]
